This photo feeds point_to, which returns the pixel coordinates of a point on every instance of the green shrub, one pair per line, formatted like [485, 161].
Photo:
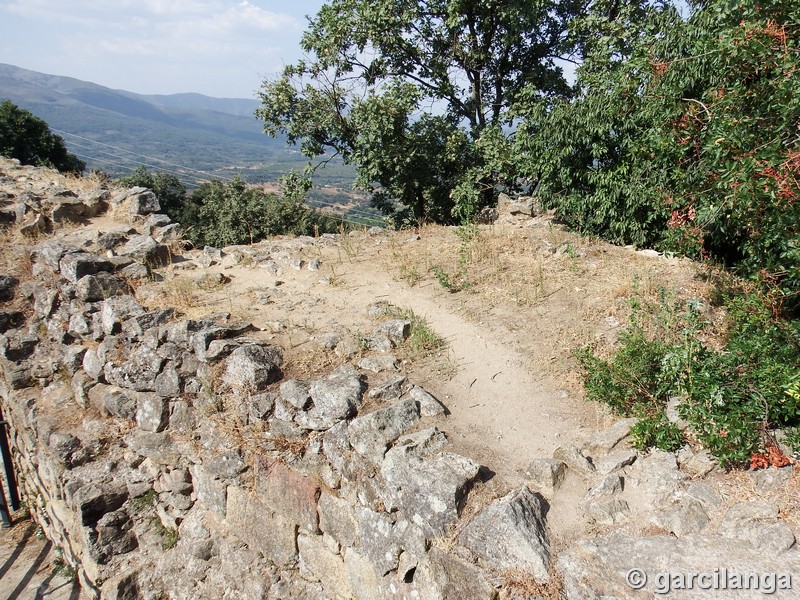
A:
[683, 134]
[657, 432]
[28, 139]
[738, 394]
[731, 397]
[224, 214]
[169, 190]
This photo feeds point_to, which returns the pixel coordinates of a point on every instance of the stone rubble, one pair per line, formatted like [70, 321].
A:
[171, 457]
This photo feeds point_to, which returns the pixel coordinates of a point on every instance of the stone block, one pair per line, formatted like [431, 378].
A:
[261, 527]
[511, 533]
[288, 493]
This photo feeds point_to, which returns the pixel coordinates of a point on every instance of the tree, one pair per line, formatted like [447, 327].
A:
[587, 155]
[28, 138]
[687, 139]
[169, 190]
[406, 90]
[225, 213]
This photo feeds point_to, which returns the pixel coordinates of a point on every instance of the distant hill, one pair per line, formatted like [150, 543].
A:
[114, 130]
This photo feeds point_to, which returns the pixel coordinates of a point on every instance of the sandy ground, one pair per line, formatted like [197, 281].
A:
[507, 375]
[29, 566]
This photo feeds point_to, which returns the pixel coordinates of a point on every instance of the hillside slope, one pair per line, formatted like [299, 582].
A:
[319, 417]
[218, 135]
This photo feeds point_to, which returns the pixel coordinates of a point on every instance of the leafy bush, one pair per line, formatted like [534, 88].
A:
[28, 139]
[683, 134]
[657, 432]
[223, 214]
[732, 398]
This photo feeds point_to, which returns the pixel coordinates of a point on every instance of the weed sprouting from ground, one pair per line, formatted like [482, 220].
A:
[732, 397]
[460, 280]
[422, 340]
[169, 536]
[61, 567]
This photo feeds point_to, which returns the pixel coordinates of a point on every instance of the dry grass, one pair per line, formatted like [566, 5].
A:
[90, 182]
[738, 486]
[180, 291]
[788, 500]
[548, 291]
[516, 584]
[407, 262]
[213, 380]
[448, 540]
[351, 243]
[285, 448]
[15, 257]
[309, 360]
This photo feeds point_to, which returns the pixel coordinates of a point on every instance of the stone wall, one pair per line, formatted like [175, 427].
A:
[174, 457]
[170, 457]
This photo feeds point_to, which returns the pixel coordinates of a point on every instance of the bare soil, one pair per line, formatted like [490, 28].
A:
[30, 567]
[534, 294]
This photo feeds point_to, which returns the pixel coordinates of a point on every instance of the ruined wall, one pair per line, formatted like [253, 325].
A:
[177, 457]
[171, 457]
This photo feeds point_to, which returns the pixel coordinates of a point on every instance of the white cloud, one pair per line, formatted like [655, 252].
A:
[225, 14]
[157, 44]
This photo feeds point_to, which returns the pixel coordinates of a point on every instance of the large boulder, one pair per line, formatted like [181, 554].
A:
[371, 434]
[429, 492]
[511, 533]
[134, 203]
[75, 265]
[252, 367]
[138, 374]
[696, 567]
[333, 400]
[145, 249]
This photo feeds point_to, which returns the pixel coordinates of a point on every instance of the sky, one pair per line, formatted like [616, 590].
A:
[222, 48]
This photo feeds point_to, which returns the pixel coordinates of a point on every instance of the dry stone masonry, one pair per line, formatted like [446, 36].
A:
[174, 458]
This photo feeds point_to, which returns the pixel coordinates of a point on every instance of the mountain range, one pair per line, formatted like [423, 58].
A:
[194, 136]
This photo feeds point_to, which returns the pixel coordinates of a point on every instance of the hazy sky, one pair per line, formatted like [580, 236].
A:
[221, 48]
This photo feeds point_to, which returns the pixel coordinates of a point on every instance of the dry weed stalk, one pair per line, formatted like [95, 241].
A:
[516, 584]
[180, 292]
[351, 242]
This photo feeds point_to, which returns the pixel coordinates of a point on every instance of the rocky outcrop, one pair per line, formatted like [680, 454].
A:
[663, 566]
[169, 456]
[189, 457]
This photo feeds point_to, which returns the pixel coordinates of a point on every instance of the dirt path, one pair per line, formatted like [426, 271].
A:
[510, 384]
[501, 414]
[28, 567]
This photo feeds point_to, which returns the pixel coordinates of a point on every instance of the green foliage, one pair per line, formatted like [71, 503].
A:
[657, 432]
[793, 440]
[460, 279]
[169, 536]
[422, 339]
[737, 394]
[169, 190]
[28, 138]
[730, 397]
[445, 280]
[61, 567]
[629, 382]
[587, 156]
[683, 134]
[224, 214]
[417, 95]
[145, 501]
